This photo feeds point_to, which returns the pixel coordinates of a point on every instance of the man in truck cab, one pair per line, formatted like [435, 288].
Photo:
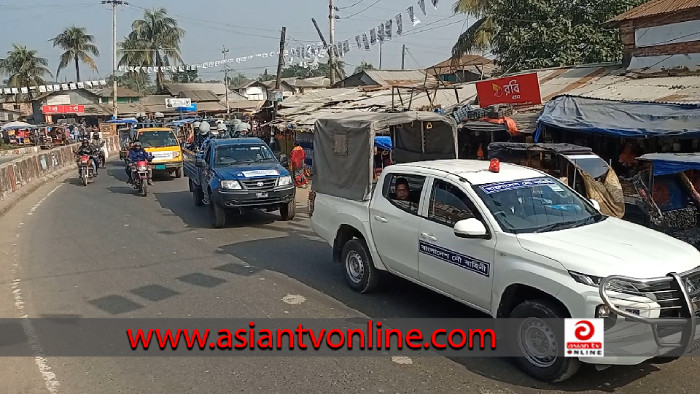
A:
[402, 197]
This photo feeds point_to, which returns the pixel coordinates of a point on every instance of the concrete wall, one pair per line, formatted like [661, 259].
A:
[19, 173]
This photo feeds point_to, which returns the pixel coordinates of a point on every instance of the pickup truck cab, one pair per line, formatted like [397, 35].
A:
[510, 241]
[163, 144]
[239, 173]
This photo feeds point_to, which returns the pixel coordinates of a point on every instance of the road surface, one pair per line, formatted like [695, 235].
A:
[102, 251]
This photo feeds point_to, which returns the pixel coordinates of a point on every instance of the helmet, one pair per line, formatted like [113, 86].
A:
[196, 124]
[204, 127]
[221, 127]
[85, 142]
[137, 144]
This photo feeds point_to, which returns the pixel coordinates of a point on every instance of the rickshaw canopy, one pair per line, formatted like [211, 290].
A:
[672, 163]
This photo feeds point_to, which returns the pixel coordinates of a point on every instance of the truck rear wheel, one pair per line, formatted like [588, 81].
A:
[288, 211]
[358, 267]
[217, 214]
[539, 343]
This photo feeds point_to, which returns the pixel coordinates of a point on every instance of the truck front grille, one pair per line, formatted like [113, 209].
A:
[260, 184]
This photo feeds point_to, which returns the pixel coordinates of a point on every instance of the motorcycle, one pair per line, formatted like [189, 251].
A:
[87, 173]
[139, 177]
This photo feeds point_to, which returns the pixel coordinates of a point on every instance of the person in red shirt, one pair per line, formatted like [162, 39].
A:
[297, 160]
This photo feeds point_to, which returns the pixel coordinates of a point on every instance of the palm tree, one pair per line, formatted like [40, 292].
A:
[481, 33]
[77, 45]
[24, 68]
[133, 52]
[159, 36]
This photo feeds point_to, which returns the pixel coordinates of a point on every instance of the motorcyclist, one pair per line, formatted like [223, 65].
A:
[87, 149]
[138, 154]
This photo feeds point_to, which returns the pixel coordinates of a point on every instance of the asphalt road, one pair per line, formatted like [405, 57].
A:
[102, 251]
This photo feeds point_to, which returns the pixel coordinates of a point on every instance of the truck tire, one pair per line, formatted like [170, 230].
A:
[288, 211]
[540, 363]
[178, 173]
[197, 196]
[217, 214]
[358, 268]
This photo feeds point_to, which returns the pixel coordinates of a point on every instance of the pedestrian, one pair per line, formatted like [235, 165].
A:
[297, 158]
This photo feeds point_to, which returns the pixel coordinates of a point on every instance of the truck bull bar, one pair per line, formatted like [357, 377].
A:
[661, 302]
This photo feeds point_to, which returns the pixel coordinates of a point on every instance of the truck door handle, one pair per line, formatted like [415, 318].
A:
[380, 219]
[428, 236]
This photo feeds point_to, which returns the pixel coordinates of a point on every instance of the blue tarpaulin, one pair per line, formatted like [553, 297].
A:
[672, 163]
[128, 120]
[180, 122]
[620, 118]
[383, 142]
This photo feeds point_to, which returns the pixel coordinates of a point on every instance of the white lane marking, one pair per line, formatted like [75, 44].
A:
[402, 360]
[52, 384]
[293, 299]
[34, 208]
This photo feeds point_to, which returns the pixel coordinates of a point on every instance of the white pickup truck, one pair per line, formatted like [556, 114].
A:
[511, 242]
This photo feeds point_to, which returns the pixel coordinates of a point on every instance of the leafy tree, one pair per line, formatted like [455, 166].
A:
[158, 36]
[527, 34]
[186, 76]
[266, 77]
[363, 66]
[238, 79]
[78, 45]
[135, 80]
[24, 68]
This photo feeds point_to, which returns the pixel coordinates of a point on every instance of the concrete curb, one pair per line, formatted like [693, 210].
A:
[9, 202]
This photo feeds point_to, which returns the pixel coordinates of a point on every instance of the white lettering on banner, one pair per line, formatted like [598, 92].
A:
[512, 87]
[251, 174]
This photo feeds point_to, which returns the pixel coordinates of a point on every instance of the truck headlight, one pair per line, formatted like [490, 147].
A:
[230, 185]
[589, 280]
[618, 286]
[176, 154]
[284, 180]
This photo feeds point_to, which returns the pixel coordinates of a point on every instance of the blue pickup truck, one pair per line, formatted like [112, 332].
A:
[236, 174]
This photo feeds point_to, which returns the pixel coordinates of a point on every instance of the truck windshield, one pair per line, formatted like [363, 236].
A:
[233, 154]
[536, 205]
[157, 139]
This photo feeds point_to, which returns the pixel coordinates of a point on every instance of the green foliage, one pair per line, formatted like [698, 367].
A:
[363, 66]
[186, 76]
[77, 46]
[527, 34]
[24, 68]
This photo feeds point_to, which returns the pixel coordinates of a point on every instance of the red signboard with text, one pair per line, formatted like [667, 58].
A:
[62, 109]
[518, 89]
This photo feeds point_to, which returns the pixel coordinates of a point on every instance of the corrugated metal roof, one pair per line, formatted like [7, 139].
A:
[121, 92]
[656, 7]
[218, 89]
[198, 96]
[400, 77]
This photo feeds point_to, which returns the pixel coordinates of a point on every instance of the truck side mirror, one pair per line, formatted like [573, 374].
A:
[470, 228]
[199, 163]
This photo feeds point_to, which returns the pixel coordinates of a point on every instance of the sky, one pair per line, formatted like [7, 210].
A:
[244, 27]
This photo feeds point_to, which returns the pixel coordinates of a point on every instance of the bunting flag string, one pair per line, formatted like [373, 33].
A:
[421, 4]
[54, 87]
[412, 16]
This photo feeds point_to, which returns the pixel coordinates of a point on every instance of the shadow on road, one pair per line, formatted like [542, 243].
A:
[303, 256]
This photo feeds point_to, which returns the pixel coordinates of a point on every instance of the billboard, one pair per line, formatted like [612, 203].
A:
[62, 109]
[518, 89]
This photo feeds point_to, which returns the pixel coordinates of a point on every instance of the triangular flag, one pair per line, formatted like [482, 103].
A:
[81, 85]
[88, 84]
[387, 29]
[25, 90]
[373, 36]
[412, 16]
[365, 41]
[380, 32]
[346, 46]
[421, 4]
[399, 24]
[359, 44]
[42, 89]
[435, 4]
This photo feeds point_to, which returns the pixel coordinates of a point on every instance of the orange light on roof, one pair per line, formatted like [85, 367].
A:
[495, 165]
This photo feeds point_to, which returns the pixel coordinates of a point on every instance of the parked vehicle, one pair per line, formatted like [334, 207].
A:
[236, 174]
[87, 174]
[507, 240]
[139, 177]
[163, 144]
[577, 166]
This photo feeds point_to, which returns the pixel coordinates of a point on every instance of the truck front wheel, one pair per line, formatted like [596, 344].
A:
[217, 214]
[178, 173]
[287, 211]
[358, 268]
[538, 340]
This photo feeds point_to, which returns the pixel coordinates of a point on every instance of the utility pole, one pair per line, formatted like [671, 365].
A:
[330, 50]
[331, 17]
[280, 60]
[224, 51]
[403, 57]
[114, 4]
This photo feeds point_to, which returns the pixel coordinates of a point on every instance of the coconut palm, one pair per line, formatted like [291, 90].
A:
[78, 45]
[24, 68]
[133, 52]
[479, 35]
[159, 36]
